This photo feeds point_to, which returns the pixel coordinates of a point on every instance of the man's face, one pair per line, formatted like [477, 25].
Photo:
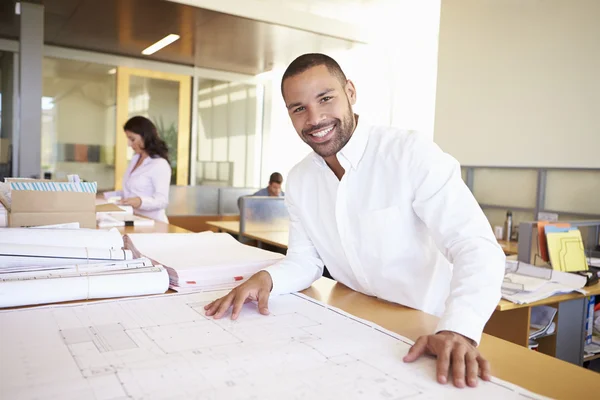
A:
[274, 189]
[320, 108]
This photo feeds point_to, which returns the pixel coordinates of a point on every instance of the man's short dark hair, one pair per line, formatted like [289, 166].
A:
[276, 177]
[307, 61]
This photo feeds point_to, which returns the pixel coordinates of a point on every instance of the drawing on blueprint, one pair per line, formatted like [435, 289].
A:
[164, 347]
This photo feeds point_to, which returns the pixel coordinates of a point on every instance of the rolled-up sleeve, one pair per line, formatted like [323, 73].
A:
[160, 176]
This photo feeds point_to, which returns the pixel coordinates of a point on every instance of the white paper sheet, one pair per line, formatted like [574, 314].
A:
[27, 255]
[51, 271]
[133, 282]
[164, 347]
[525, 283]
[201, 257]
[110, 239]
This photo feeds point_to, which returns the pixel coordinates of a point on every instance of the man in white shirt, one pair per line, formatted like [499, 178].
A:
[388, 213]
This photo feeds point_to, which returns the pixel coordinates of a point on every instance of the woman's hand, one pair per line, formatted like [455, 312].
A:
[134, 202]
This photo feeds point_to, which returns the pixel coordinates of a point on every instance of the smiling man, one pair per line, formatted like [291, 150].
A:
[388, 213]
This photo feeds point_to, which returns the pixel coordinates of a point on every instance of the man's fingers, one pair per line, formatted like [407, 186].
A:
[209, 305]
[484, 367]
[238, 303]
[443, 363]
[458, 365]
[472, 367]
[225, 304]
[263, 302]
[417, 349]
[212, 307]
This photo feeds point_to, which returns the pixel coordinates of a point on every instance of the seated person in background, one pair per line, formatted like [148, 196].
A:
[274, 188]
[390, 216]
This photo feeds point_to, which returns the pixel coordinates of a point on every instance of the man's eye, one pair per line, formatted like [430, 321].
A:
[326, 98]
[299, 109]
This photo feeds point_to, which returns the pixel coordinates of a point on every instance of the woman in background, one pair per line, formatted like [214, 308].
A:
[148, 177]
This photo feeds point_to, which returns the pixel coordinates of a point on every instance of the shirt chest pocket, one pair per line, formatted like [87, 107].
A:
[379, 235]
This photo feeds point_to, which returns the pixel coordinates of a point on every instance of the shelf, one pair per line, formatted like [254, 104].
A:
[545, 336]
[591, 357]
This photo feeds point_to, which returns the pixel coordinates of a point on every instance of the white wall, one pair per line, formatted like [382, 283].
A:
[518, 82]
[395, 77]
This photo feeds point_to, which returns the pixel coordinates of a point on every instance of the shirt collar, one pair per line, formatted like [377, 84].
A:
[354, 150]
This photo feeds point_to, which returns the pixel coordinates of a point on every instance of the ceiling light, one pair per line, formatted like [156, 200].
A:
[167, 40]
[18, 8]
[112, 71]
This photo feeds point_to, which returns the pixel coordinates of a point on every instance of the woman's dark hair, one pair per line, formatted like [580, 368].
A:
[153, 144]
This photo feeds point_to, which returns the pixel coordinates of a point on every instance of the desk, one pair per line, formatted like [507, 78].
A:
[158, 227]
[532, 370]
[511, 321]
[277, 239]
[510, 248]
[226, 226]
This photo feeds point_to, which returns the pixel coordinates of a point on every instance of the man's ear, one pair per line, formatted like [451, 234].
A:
[350, 90]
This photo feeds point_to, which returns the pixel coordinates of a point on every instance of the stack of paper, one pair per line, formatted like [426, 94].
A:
[592, 348]
[202, 261]
[40, 266]
[525, 283]
[542, 322]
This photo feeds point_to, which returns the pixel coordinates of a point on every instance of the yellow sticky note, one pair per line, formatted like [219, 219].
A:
[566, 250]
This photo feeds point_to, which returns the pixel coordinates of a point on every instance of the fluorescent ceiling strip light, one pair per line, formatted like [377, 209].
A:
[167, 40]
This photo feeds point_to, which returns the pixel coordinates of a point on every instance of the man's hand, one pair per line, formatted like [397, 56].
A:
[452, 350]
[134, 202]
[257, 288]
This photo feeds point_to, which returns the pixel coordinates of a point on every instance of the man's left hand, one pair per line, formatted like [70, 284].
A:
[454, 351]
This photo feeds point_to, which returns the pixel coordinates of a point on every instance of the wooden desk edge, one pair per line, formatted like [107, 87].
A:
[259, 236]
[536, 372]
[225, 226]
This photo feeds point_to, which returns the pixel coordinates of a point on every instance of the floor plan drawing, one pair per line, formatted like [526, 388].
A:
[164, 347]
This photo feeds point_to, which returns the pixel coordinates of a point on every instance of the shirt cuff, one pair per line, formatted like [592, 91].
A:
[464, 323]
[146, 203]
[278, 279]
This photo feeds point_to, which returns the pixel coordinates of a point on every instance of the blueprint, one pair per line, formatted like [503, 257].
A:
[164, 347]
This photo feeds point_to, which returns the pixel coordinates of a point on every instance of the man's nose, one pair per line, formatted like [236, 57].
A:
[315, 116]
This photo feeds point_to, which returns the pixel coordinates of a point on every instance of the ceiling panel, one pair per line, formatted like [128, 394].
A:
[9, 22]
[209, 39]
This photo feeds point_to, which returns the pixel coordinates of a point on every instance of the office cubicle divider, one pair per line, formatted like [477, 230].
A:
[572, 193]
[263, 214]
[191, 206]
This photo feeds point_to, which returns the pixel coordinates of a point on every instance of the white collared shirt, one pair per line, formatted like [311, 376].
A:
[150, 181]
[400, 225]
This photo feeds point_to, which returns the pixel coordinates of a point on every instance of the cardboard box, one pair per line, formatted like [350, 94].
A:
[35, 208]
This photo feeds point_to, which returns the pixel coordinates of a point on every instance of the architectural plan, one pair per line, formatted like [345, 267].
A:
[164, 347]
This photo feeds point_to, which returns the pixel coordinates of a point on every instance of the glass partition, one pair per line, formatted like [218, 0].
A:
[576, 191]
[263, 214]
[78, 120]
[505, 187]
[227, 133]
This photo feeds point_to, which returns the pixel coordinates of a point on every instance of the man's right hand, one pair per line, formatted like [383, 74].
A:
[257, 288]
